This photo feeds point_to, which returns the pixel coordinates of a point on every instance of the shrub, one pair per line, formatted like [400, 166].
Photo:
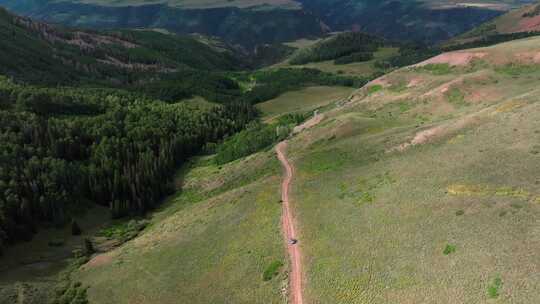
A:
[456, 97]
[272, 270]
[438, 68]
[374, 89]
[124, 231]
[449, 249]
[88, 247]
[245, 143]
[494, 288]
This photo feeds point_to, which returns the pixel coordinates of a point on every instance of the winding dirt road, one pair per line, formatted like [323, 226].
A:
[289, 233]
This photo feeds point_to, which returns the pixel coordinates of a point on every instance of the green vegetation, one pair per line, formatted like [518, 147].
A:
[456, 97]
[355, 57]
[210, 242]
[488, 39]
[212, 86]
[272, 270]
[274, 82]
[237, 22]
[124, 231]
[449, 249]
[304, 100]
[373, 191]
[63, 147]
[256, 138]
[494, 288]
[516, 69]
[374, 89]
[377, 190]
[408, 54]
[247, 142]
[68, 291]
[344, 48]
[73, 293]
[437, 69]
[53, 55]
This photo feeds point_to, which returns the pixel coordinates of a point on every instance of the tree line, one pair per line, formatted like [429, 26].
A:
[107, 146]
[340, 45]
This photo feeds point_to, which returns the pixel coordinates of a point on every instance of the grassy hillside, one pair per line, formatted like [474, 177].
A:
[362, 68]
[423, 188]
[301, 101]
[211, 243]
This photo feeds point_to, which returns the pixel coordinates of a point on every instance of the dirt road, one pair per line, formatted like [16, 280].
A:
[289, 233]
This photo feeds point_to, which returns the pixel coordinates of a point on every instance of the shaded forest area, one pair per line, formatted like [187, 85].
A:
[61, 149]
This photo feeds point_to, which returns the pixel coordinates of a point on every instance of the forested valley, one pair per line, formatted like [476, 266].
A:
[62, 149]
[98, 117]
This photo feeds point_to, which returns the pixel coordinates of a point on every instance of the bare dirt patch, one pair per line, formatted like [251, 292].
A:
[98, 260]
[528, 57]
[309, 124]
[443, 88]
[382, 81]
[440, 131]
[414, 82]
[454, 58]
[530, 24]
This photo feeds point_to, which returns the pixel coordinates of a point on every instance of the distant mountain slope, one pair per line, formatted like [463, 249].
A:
[252, 22]
[39, 52]
[426, 20]
[244, 26]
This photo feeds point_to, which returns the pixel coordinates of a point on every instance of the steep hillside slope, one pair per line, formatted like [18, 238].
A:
[39, 52]
[216, 241]
[423, 187]
[425, 20]
[246, 26]
[522, 20]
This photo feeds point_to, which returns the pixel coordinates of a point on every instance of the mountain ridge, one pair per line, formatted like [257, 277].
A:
[251, 24]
